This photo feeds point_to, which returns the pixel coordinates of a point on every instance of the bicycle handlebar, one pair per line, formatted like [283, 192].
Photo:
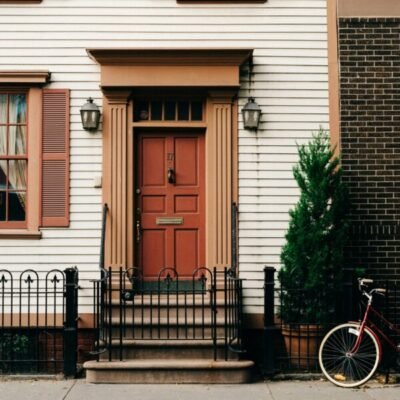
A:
[363, 283]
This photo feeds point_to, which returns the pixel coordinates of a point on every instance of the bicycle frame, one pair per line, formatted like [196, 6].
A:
[375, 330]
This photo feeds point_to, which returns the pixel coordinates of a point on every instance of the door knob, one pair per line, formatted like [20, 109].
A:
[171, 175]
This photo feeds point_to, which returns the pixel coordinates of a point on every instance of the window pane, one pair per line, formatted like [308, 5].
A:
[17, 109]
[197, 111]
[17, 140]
[3, 142]
[3, 174]
[16, 206]
[169, 111]
[3, 108]
[183, 111]
[2, 206]
[17, 174]
[156, 110]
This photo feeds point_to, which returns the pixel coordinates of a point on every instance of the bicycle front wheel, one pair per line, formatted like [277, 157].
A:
[342, 367]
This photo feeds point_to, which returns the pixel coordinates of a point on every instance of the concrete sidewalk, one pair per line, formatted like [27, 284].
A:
[281, 390]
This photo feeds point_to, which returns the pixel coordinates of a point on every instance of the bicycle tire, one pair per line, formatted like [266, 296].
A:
[342, 368]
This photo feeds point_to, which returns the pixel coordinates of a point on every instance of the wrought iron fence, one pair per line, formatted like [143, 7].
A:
[291, 340]
[205, 306]
[38, 321]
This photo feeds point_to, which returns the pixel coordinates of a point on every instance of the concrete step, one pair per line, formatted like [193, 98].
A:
[165, 328]
[172, 297]
[169, 371]
[166, 332]
[152, 307]
[172, 321]
[166, 349]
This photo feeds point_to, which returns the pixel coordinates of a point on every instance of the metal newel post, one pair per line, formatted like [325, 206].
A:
[269, 323]
[71, 322]
[234, 216]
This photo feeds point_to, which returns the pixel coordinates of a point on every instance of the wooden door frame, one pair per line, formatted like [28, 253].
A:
[126, 72]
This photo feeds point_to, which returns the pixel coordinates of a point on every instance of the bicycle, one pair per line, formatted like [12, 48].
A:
[350, 353]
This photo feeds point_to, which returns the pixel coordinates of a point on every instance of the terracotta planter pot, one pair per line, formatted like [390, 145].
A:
[302, 344]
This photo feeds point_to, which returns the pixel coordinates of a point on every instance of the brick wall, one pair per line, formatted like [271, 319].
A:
[369, 52]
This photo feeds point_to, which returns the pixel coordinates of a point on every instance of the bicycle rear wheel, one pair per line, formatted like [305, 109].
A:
[342, 367]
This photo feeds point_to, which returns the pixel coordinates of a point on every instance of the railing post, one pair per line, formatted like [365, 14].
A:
[71, 322]
[240, 312]
[234, 216]
[269, 323]
[214, 312]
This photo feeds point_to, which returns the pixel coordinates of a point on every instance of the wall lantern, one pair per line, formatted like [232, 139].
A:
[90, 115]
[251, 115]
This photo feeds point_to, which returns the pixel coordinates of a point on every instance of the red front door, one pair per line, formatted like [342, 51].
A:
[170, 199]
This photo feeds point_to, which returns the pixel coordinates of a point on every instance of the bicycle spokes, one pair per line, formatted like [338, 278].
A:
[340, 364]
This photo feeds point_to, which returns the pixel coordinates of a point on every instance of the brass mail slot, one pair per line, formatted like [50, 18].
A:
[169, 221]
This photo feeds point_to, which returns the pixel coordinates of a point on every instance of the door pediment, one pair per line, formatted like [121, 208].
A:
[170, 67]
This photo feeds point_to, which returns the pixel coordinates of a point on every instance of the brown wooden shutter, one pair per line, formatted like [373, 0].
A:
[55, 158]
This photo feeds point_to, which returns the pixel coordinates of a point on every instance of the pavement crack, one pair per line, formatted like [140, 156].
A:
[69, 390]
[270, 391]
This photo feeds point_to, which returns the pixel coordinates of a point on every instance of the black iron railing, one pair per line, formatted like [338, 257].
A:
[205, 306]
[291, 344]
[38, 321]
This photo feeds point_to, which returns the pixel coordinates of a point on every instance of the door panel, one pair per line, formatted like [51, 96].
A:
[186, 204]
[153, 250]
[186, 162]
[186, 250]
[153, 204]
[171, 210]
[153, 158]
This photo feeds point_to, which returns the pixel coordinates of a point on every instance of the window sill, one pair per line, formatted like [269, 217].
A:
[220, 1]
[20, 1]
[19, 234]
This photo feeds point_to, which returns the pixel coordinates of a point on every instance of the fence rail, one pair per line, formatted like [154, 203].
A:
[36, 311]
[291, 341]
[205, 306]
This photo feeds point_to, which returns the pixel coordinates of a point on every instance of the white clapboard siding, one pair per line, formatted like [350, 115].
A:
[289, 81]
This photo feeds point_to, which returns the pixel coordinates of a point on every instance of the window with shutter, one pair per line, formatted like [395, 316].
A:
[34, 154]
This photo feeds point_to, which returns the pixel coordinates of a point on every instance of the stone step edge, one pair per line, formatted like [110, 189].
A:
[164, 322]
[166, 343]
[164, 303]
[170, 364]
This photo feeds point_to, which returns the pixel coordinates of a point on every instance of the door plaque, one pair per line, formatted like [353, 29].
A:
[169, 221]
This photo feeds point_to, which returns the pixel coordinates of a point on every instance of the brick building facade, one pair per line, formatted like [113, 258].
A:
[369, 50]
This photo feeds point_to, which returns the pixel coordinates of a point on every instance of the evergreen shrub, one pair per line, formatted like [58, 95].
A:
[313, 255]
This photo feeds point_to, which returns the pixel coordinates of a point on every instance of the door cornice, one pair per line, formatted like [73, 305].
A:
[187, 57]
[170, 67]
